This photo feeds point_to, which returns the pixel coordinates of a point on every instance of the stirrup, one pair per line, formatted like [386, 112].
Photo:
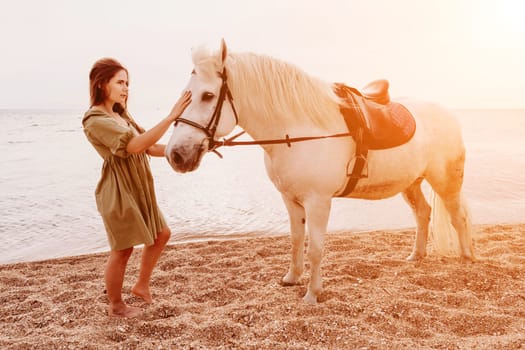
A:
[364, 171]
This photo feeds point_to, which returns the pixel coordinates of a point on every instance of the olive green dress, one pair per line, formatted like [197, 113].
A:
[125, 193]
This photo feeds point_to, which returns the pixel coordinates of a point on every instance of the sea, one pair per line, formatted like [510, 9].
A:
[49, 171]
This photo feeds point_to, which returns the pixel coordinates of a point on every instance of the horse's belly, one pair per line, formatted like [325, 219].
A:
[390, 172]
[381, 190]
[302, 173]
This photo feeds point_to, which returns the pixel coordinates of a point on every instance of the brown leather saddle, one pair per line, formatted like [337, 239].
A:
[374, 122]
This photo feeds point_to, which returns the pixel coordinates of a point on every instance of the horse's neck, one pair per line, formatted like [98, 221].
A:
[273, 102]
[276, 126]
[260, 127]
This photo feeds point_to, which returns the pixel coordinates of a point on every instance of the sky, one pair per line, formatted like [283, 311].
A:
[459, 53]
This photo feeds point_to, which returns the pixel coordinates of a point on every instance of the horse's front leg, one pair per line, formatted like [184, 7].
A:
[297, 222]
[317, 214]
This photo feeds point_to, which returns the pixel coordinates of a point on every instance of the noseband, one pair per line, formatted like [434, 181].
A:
[211, 128]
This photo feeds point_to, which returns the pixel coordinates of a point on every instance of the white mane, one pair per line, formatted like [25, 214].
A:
[272, 89]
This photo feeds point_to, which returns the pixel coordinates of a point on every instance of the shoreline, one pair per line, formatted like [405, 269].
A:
[227, 294]
[204, 238]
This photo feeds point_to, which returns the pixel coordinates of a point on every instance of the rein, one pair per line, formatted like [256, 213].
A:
[211, 128]
[286, 140]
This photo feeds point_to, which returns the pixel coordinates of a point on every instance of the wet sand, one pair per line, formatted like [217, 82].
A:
[227, 295]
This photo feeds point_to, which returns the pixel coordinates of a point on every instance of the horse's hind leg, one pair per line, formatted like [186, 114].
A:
[297, 229]
[460, 219]
[448, 189]
[416, 200]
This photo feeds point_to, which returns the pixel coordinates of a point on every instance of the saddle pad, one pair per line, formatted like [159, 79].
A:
[393, 131]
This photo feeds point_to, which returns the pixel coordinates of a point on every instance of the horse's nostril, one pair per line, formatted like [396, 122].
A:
[176, 158]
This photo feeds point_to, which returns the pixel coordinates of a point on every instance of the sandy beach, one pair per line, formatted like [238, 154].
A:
[227, 295]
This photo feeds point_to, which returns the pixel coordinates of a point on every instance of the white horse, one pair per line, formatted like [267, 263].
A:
[272, 99]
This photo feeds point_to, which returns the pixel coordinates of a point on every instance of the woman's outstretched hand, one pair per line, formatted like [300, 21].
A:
[181, 105]
[145, 141]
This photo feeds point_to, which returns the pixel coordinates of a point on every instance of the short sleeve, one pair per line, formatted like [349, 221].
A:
[110, 134]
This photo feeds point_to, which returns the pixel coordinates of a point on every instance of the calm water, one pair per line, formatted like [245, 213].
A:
[49, 172]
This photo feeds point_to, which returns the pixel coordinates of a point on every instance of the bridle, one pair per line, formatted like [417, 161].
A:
[211, 128]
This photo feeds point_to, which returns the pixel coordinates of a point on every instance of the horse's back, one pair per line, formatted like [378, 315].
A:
[439, 125]
[441, 136]
[429, 111]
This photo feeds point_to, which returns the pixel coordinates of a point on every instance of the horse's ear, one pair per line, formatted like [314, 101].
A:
[224, 50]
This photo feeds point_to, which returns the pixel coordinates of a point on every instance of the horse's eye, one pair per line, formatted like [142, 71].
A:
[207, 96]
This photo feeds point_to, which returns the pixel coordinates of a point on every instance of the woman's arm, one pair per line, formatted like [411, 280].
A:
[142, 142]
[157, 150]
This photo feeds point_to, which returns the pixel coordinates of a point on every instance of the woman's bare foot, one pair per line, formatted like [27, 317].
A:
[142, 293]
[124, 311]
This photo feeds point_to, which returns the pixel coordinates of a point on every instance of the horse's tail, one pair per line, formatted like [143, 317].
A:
[444, 236]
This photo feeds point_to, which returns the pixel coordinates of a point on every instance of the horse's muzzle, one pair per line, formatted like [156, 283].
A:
[184, 159]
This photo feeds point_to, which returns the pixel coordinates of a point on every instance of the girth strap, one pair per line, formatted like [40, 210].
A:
[361, 147]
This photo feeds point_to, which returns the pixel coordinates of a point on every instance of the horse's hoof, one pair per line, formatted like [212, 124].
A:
[415, 257]
[289, 280]
[310, 299]
[285, 283]
[467, 259]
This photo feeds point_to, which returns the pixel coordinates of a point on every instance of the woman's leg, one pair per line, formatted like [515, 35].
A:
[114, 277]
[150, 256]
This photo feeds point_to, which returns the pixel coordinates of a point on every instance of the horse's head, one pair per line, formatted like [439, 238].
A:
[209, 116]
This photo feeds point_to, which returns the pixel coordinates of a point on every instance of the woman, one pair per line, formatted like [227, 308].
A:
[125, 193]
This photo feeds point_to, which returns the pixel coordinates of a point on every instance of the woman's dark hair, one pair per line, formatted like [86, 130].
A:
[99, 76]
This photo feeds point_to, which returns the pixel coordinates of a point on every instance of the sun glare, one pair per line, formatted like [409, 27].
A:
[511, 14]
[498, 23]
